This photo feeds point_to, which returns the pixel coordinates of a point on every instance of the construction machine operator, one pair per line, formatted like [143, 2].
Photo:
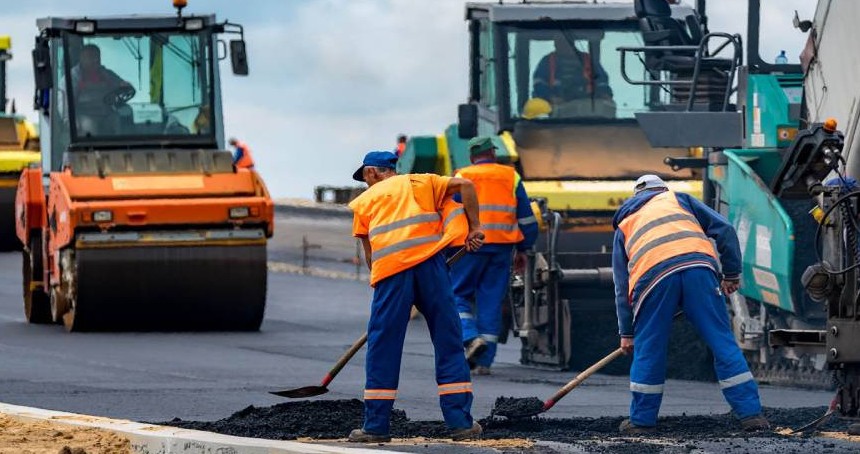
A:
[405, 222]
[481, 278]
[99, 93]
[662, 261]
[573, 82]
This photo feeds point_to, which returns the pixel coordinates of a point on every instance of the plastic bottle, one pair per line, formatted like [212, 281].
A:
[781, 59]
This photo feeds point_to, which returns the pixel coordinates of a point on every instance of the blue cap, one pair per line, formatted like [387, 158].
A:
[384, 159]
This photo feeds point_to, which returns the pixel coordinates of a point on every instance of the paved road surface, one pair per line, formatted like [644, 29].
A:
[309, 323]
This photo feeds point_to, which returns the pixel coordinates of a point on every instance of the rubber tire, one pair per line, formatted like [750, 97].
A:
[37, 303]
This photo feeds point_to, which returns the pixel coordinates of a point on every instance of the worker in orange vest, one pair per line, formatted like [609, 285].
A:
[663, 259]
[405, 222]
[242, 158]
[481, 278]
[401, 145]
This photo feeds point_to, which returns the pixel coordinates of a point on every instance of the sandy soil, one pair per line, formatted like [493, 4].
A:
[41, 437]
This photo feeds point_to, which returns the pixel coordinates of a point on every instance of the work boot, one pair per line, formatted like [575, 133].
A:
[755, 423]
[481, 370]
[474, 349]
[854, 429]
[472, 433]
[628, 428]
[360, 436]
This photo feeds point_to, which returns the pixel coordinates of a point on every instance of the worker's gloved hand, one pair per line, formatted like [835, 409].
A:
[520, 260]
[730, 286]
[474, 240]
[627, 345]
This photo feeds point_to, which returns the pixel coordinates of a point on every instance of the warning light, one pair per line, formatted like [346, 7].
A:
[830, 125]
[180, 3]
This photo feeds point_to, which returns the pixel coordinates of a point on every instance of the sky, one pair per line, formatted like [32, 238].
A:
[332, 79]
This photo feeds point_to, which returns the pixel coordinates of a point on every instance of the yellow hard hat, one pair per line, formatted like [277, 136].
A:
[536, 107]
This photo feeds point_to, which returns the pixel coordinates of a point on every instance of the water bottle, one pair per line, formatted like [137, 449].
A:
[781, 59]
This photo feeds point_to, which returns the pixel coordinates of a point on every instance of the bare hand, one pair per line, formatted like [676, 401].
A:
[520, 260]
[627, 345]
[730, 286]
[474, 240]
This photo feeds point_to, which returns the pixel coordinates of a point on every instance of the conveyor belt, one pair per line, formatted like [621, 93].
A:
[179, 285]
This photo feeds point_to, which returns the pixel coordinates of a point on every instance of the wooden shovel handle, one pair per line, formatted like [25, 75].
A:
[582, 376]
[345, 359]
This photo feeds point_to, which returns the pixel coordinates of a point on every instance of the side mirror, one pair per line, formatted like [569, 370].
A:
[467, 115]
[42, 64]
[238, 57]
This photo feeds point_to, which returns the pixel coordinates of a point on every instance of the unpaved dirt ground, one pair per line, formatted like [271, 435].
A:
[333, 419]
[40, 437]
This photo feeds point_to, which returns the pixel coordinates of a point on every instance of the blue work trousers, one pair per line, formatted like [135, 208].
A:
[481, 281]
[427, 286]
[697, 292]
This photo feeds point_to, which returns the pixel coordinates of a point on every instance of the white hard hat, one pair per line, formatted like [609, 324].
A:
[649, 182]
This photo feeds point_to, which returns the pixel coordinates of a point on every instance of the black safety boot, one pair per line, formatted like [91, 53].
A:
[472, 433]
[755, 423]
[360, 436]
[628, 428]
[481, 370]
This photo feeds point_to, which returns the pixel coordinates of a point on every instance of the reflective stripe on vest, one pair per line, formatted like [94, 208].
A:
[245, 161]
[402, 234]
[495, 185]
[659, 230]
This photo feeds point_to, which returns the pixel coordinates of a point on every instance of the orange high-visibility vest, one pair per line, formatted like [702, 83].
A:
[402, 234]
[245, 161]
[659, 230]
[496, 186]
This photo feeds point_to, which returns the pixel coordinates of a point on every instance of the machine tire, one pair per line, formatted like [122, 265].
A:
[37, 304]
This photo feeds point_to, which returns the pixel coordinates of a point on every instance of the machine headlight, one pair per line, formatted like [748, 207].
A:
[194, 24]
[102, 216]
[239, 212]
[85, 26]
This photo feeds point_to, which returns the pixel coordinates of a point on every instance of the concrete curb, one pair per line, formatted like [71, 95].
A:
[153, 439]
[289, 268]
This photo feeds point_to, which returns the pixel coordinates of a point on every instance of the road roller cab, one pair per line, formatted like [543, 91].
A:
[137, 218]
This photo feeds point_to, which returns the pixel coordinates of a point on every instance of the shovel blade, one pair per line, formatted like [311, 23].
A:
[299, 393]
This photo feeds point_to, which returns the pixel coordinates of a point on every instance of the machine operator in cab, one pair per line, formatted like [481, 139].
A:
[242, 158]
[573, 82]
[99, 94]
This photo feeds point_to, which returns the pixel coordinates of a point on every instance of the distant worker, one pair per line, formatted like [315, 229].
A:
[663, 261]
[403, 222]
[573, 82]
[481, 278]
[401, 145]
[242, 158]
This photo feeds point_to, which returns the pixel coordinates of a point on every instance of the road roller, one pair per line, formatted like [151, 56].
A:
[137, 219]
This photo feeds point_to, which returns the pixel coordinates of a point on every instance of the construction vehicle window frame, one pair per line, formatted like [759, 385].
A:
[512, 85]
[204, 84]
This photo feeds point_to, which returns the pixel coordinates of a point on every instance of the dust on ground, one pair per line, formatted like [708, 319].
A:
[44, 437]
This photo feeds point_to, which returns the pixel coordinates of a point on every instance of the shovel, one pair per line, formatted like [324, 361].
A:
[532, 406]
[322, 388]
[535, 410]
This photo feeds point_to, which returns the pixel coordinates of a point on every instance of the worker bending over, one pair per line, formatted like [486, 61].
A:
[242, 158]
[481, 278]
[663, 261]
[404, 222]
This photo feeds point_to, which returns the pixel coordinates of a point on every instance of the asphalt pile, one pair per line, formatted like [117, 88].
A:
[332, 419]
[517, 407]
